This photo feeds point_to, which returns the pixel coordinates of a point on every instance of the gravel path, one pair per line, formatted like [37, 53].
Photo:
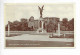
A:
[39, 38]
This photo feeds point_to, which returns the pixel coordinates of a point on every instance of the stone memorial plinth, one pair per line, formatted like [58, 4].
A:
[41, 26]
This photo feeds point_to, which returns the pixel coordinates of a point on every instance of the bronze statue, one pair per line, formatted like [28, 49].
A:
[41, 10]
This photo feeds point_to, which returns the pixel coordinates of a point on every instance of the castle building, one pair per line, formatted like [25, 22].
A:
[34, 24]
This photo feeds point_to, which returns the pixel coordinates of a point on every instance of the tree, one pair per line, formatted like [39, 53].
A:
[6, 28]
[71, 25]
[16, 26]
[50, 27]
[65, 23]
[24, 24]
[11, 26]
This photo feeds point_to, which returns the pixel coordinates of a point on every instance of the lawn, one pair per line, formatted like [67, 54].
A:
[18, 33]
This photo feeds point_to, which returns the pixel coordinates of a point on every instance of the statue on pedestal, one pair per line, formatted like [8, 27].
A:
[41, 22]
[41, 10]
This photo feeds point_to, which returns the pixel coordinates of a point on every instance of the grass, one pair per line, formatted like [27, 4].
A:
[17, 33]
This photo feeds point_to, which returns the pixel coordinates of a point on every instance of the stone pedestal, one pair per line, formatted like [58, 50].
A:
[8, 29]
[59, 29]
[41, 26]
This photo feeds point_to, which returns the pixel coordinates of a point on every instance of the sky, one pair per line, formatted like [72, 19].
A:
[16, 11]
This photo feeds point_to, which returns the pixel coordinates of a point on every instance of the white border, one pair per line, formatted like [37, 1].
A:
[54, 51]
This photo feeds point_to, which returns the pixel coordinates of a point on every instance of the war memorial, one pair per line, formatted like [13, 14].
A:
[43, 32]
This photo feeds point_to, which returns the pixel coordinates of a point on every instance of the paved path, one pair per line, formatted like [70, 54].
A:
[39, 38]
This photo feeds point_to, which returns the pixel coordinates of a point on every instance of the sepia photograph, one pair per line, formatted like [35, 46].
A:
[39, 25]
